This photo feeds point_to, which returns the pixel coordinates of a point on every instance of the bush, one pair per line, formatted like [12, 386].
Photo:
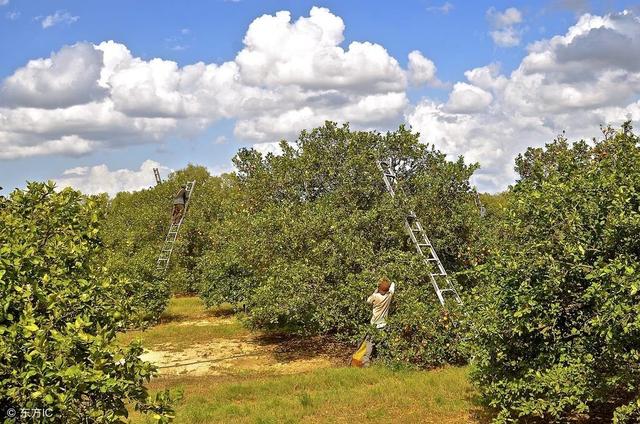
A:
[556, 311]
[60, 312]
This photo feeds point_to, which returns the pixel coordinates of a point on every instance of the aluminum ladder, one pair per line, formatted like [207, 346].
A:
[156, 173]
[419, 238]
[169, 242]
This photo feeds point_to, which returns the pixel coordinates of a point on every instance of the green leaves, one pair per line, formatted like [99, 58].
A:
[57, 320]
[556, 310]
[301, 239]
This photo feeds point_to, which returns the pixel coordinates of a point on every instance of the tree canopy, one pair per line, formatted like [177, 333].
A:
[60, 311]
[556, 318]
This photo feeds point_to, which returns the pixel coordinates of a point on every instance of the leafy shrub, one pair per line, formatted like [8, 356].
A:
[556, 312]
[60, 312]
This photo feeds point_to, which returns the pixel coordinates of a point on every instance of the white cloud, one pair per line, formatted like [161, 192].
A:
[100, 179]
[421, 69]
[79, 170]
[59, 17]
[266, 148]
[222, 169]
[562, 84]
[68, 145]
[507, 37]
[4, 2]
[13, 15]
[306, 53]
[509, 17]
[444, 8]
[290, 75]
[68, 77]
[467, 98]
[505, 32]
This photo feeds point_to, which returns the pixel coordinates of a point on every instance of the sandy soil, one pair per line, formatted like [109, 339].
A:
[254, 353]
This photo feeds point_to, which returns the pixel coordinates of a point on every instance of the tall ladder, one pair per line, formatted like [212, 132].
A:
[419, 238]
[156, 173]
[169, 242]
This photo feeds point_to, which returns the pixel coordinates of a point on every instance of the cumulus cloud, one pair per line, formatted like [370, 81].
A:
[307, 53]
[558, 86]
[505, 31]
[290, 75]
[467, 98]
[68, 145]
[68, 77]
[13, 15]
[59, 17]
[421, 69]
[4, 2]
[100, 179]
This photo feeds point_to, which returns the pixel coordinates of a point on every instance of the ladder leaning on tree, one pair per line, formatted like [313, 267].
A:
[420, 240]
[156, 173]
[169, 242]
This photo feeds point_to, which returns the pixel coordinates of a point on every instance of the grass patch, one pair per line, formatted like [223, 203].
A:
[328, 395]
[192, 308]
[186, 322]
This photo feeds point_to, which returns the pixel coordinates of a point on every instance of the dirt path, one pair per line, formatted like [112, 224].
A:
[254, 353]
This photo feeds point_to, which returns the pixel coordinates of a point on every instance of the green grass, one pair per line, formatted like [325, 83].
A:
[323, 395]
[172, 334]
[190, 308]
[330, 395]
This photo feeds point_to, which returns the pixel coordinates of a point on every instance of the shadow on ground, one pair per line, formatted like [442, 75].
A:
[287, 348]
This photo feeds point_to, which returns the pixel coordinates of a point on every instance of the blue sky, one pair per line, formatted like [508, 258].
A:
[454, 36]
